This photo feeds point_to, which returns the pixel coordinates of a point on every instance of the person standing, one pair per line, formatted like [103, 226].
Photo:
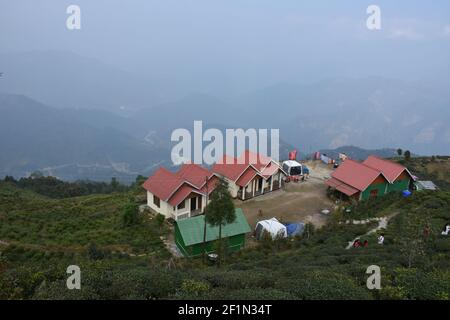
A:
[426, 232]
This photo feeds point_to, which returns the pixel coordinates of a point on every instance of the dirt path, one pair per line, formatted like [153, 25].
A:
[171, 246]
[382, 224]
[296, 202]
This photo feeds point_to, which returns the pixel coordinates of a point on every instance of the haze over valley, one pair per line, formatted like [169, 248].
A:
[86, 104]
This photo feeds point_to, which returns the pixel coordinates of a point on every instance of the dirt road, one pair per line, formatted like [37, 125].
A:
[297, 202]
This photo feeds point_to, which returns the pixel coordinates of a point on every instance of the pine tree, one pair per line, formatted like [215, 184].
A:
[220, 211]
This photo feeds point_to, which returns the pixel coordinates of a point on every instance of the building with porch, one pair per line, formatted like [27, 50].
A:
[372, 178]
[182, 194]
[250, 175]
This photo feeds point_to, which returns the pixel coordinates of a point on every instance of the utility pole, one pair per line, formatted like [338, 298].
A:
[204, 216]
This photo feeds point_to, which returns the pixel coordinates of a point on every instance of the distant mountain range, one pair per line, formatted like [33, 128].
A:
[371, 113]
[70, 145]
[94, 120]
[360, 154]
[74, 144]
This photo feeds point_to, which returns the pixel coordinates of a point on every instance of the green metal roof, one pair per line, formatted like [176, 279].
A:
[191, 229]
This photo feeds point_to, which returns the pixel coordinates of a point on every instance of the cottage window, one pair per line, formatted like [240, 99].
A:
[156, 201]
[182, 205]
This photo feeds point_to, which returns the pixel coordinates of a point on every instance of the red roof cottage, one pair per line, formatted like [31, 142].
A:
[181, 194]
[398, 176]
[250, 175]
[371, 178]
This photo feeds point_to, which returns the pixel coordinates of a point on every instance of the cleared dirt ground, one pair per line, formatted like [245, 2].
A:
[296, 202]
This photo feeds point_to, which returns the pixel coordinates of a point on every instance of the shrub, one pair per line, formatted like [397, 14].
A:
[94, 253]
[160, 219]
[192, 289]
[323, 285]
[130, 214]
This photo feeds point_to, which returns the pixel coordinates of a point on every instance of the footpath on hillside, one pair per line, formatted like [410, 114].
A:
[382, 224]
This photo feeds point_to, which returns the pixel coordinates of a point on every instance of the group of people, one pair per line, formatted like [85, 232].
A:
[357, 243]
[426, 232]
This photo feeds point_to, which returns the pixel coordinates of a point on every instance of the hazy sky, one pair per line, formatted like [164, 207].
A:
[238, 45]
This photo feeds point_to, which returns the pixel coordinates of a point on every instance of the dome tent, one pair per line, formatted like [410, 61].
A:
[272, 227]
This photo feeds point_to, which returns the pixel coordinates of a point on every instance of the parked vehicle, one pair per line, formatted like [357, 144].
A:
[293, 169]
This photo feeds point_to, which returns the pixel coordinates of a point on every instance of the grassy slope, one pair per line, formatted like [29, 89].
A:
[436, 169]
[71, 224]
[48, 237]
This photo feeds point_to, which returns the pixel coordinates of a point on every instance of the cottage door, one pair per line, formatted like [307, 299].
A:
[260, 183]
[193, 204]
[200, 202]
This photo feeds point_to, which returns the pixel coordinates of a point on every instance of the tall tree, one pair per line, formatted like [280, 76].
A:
[204, 224]
[220, 210]
[399, 151]
[407, 155]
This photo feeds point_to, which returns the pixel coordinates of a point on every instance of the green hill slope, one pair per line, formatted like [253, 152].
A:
[41, 237]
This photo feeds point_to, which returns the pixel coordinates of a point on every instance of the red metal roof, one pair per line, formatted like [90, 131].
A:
[390, 169]
[346, 189]
[172, 187]
[194, 174]
[342, 187]
[355, 174]
[246, 177]
[182, 194]
[270, 170]
[332, 182]
[185, 190]
[259, 161]
[163, 183]
[211, 185]
[230, 168]
[234, 168]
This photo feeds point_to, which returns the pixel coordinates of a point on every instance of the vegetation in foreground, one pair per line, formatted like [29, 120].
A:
[122, 256]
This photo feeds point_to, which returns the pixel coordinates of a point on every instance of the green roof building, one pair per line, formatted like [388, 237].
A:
[189, 234]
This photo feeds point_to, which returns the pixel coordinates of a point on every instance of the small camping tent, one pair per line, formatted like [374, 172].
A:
[272, 226]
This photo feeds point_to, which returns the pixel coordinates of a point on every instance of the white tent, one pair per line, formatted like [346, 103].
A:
[272, 227]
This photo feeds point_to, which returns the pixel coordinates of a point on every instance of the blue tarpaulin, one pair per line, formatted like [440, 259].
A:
[294, 229]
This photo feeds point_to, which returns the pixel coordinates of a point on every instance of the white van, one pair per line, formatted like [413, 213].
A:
[293, 168]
